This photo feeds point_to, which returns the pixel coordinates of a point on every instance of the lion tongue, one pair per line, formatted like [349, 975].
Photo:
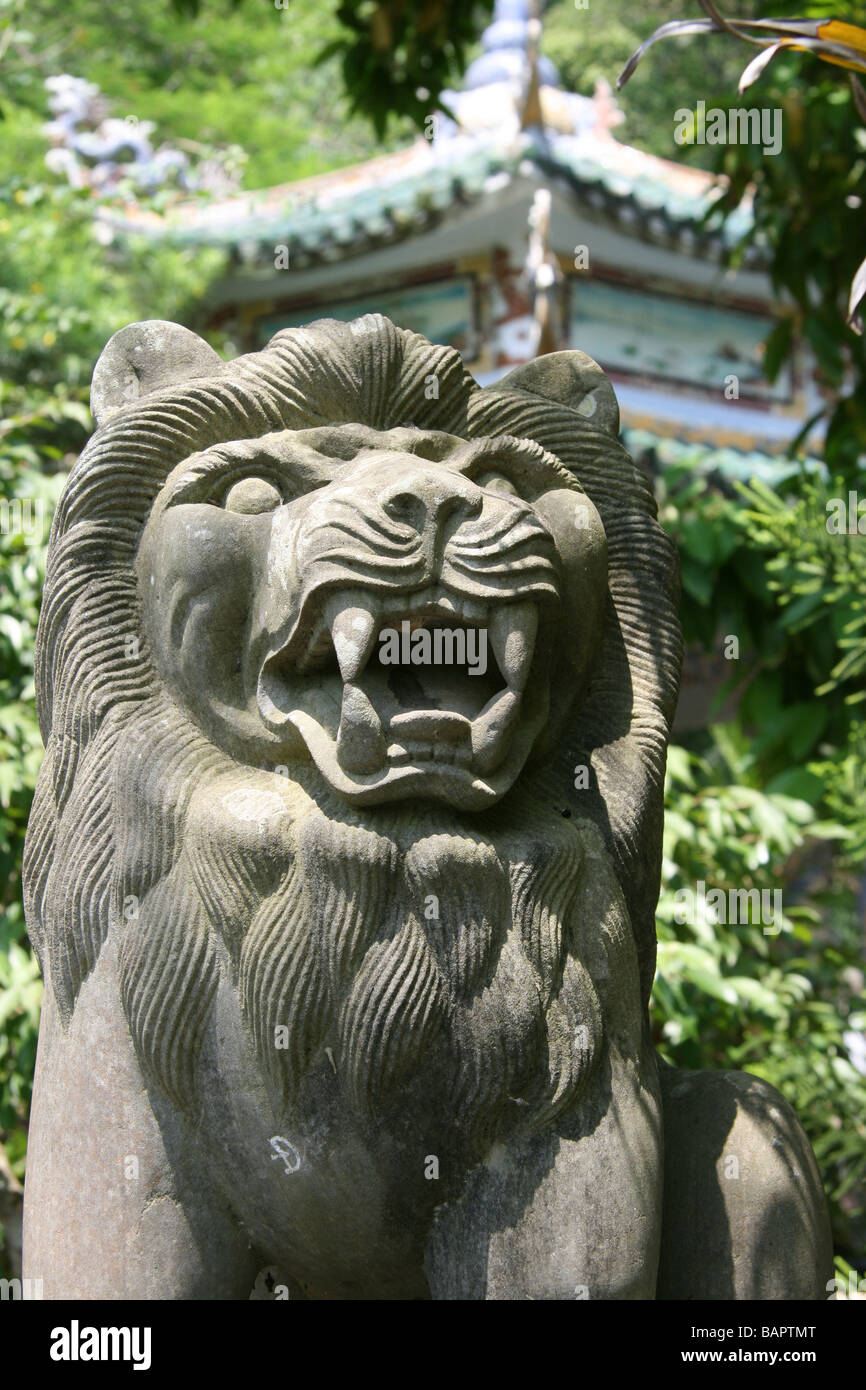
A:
[492, 730]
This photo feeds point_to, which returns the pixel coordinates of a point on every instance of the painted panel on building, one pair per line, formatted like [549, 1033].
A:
[442, 311]
[652, 335]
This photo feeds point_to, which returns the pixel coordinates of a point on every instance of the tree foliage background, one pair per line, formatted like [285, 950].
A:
[774, 797]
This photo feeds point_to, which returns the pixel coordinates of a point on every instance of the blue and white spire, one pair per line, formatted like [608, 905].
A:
[506, 43]
[511, 87]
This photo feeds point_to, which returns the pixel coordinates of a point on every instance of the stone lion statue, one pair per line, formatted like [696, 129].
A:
[348, 958]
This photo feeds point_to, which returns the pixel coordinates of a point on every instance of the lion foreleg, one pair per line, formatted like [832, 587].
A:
[571, 1213]
[116, 1205]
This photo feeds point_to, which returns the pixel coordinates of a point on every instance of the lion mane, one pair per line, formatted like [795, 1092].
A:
[129, 826]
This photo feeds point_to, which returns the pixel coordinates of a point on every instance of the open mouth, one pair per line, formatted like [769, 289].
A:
[433, 692]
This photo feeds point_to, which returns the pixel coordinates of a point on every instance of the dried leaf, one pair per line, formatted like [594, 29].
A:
[855, 299]
[673, 29]
[725, 26]
[752, 71]
[825, 38]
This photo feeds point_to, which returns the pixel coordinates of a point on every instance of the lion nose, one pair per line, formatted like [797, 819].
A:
[424, 497]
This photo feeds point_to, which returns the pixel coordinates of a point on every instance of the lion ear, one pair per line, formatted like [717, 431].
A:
[572, 379]
[145, 357]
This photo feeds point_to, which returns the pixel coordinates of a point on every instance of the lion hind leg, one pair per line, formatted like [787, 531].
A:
[744, 1210]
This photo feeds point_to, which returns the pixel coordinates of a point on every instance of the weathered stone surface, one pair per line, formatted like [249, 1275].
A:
[744, 1213]
[145, 357]
[347, 968]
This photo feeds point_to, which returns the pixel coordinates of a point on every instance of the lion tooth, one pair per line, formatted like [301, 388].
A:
[512, 635]
[446, 726]
[473, 612]
[353, 631]
[360, 741]
[492, 729]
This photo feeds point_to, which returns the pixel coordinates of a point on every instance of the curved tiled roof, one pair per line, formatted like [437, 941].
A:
[483, 139]
[735, 464]
[335, 216]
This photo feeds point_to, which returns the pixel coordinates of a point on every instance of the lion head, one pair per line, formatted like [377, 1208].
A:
[270, 568]
[241, 777]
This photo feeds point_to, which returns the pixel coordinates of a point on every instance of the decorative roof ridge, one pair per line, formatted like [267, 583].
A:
[344, 184]
[771, 465]
[403, 193]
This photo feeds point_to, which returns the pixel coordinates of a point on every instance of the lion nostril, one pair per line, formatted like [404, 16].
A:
[401, 503]
[426, 500]
[406, 507]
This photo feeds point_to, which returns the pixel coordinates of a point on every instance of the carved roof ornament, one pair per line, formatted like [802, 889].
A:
[609, 113]
[532, 115]
[512, 86]
[544, 277]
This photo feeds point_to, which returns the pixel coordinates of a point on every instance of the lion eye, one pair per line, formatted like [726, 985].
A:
[252, 495]
[497, 482]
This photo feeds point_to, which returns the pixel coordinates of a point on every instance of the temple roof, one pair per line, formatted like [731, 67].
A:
[735, 465]
[335, 216]
[478, 147]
